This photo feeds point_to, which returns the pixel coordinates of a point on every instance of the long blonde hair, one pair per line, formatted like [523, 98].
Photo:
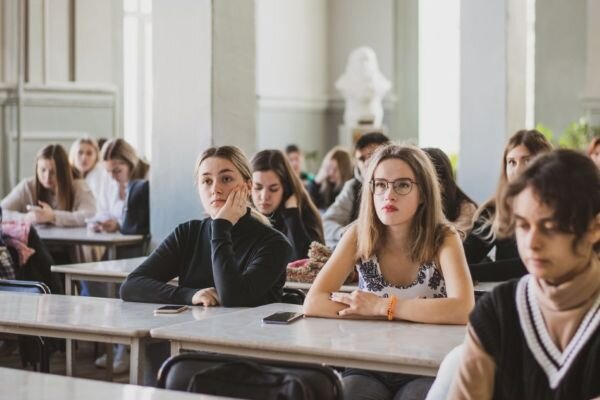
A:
[488, 213]
[428, 227]
[75, 149]
[239, 160]
[119, 149]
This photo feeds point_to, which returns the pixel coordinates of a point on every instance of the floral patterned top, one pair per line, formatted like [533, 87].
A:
[429, 282]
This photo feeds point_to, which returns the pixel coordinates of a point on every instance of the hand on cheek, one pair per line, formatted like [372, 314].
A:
[235, 206]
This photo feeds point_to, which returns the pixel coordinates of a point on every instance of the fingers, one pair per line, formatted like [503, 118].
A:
[343, 298]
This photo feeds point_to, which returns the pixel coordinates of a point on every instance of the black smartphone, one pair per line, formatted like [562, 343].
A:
[171, 309]
[282, 318]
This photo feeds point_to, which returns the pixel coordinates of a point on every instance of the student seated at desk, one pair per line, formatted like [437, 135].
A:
[233, 258]
[53, 196]
[278, 193]
[335, 170]
[539, 337]
[125, 198]
[84, 157]
[520, 149]
[459, 209]
[410, 263]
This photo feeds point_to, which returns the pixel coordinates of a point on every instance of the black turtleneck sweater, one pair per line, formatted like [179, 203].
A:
[288, 222]
[244, 262]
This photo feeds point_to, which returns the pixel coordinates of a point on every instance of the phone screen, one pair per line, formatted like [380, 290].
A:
[170, 309]
[282, 318]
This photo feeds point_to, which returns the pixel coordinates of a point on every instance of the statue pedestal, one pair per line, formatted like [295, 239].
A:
[348, 135]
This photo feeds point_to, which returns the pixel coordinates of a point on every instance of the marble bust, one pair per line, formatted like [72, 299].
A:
[363, 87]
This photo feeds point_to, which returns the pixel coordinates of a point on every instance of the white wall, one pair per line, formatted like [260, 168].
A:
[182, 51]
[292, 83]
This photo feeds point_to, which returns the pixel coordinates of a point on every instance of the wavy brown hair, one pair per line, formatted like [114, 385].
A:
[428, 227]
[118, 149]
[65, 193]
[274, 160]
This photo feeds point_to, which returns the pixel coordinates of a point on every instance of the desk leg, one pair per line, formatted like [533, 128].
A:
[68, 285]
[109, 361]
[137, 361]
[175, 347]
[70, 347]
[111, 252]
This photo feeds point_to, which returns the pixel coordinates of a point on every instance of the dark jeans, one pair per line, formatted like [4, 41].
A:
[370, 385]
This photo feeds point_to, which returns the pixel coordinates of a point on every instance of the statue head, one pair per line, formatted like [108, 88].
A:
[362, 61]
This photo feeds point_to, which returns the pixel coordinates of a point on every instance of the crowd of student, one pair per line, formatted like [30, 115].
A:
[397, 218]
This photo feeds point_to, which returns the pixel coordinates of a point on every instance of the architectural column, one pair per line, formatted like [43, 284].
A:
[591, 92]
[483, 95]
[182, 43]
[234, 74]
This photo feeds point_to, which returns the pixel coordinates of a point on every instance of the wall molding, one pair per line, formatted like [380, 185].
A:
[319, 104]
[62, 95]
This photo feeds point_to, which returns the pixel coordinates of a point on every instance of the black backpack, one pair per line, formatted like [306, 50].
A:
[248, 378]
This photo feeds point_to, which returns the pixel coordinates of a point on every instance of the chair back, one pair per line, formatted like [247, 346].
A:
[10, 285]
[33, 349]
[293, 296]
[249, 378]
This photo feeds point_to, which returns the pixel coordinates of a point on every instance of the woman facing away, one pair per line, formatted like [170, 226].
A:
[538, 337]
[521, 148]
[335, 170]
[458, 207]
[410, 263]
[278, 193]
[52, 195]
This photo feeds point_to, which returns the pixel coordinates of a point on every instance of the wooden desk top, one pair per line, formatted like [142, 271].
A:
[92, 315]
[85, 236]
[378, 345]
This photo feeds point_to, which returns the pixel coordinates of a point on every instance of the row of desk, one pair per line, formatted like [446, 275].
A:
[377, 345]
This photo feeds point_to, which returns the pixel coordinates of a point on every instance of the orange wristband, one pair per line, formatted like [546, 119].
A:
[390, 309]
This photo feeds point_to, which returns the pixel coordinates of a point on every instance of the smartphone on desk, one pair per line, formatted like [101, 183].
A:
[282, 318]
[170, 309]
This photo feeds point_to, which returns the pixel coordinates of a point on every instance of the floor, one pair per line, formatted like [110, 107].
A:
[84, 367]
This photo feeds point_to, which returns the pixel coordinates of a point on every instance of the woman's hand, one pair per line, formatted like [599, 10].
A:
[206, 297]
[235, 206]
[361, 303]
[40, 215]
[291, 202]
[112, 225]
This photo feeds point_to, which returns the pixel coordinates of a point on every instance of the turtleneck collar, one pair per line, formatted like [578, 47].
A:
[572, 293]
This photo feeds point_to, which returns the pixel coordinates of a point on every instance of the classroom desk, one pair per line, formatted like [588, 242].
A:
[112, 271]
[19, 384]
[91, 319]
[481, 286]
[390, 346]
[83, 236]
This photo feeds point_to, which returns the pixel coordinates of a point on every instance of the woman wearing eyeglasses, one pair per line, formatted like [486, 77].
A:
[410, 263]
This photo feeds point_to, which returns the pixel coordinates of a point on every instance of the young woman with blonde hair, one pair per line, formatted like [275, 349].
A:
[52, 195]
[84, 157]
[410, 262]
[278, 193]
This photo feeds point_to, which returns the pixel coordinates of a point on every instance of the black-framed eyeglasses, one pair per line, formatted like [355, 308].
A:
[401, 186]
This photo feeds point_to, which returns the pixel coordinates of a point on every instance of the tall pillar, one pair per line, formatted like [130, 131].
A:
[591, 97]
